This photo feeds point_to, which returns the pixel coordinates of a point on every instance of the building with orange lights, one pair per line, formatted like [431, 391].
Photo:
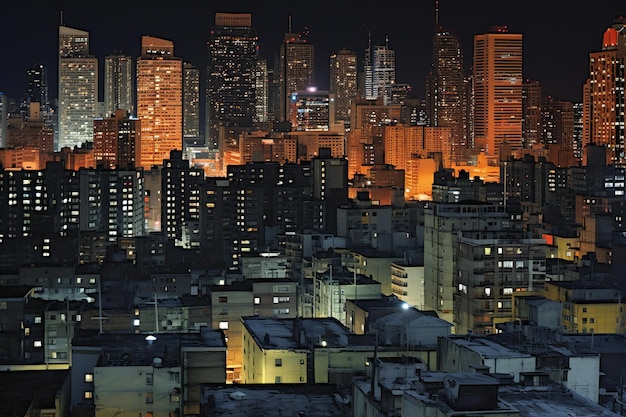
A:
[497, 75]
[603, 95]
[117, 140]
[159, 100]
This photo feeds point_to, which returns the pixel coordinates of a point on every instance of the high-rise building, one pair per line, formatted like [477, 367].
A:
[78, 88]
[312, 110]
[116, 140]
[497, 91]
[330, 185]
[531, 113]
[119, 84]
[231, 80]
[180, 200]
[262, 91]
[343, 82]
[37, 85]
[557, 127]
[603, 94]
[159, 100]
[445, 89]
[191, 104]
[383, 72]
[297, 66]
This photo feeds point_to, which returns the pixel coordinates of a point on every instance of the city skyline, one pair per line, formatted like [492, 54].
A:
[557, 36]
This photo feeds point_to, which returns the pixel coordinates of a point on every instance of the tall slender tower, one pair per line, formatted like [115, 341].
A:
[119, 84]
[191, 104]
[159, 100]
[603, 94]
[445, 88]
[383, 72]
[296, 68]
[343, 82]
[78, 88]
[497, 91]
[231, 98]
[531, 113]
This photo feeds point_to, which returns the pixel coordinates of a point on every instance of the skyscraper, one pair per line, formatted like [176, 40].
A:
[78, 88]
[119, 84]
[297, 65]
[231, 98]
[343, 82]
[261, 91]
[191, 104]
[497, 91]
[445, 89]
[159, 100]
[383, 72]
[531, 113]
[603, 95]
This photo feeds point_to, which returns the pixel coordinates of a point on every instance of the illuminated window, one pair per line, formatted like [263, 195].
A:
[223, 325]
[88, 395]
[488, 292]
[37, 343]
[257, 300]
[88, 377]
[487, 251]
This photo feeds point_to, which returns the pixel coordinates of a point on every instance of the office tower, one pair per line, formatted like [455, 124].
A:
[191, 105]
[116, 140]
[603, 94]
[261, 90]
[445, 89]
[297, 66]
[231, 79]
[119, 87]
[159, 100]
[37, 85]
[312, 110]
[383, 72]
[557, 126]
[343, 82]
[497, 97]
[4, 116]
[531, 113]
[38, 92]
[78, 88]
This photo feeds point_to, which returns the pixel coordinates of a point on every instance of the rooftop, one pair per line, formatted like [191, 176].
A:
[268, 400]
[272, 333]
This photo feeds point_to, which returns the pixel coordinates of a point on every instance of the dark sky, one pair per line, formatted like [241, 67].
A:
[558, 34]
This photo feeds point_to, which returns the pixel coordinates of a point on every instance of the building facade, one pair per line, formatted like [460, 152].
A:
[78, 88]
[159, 100]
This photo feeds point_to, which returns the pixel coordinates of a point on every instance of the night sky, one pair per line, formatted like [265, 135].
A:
[558, 34]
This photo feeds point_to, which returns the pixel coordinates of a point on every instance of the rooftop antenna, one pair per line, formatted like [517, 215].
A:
[61, 17]
[289, 24]
[436, 14]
